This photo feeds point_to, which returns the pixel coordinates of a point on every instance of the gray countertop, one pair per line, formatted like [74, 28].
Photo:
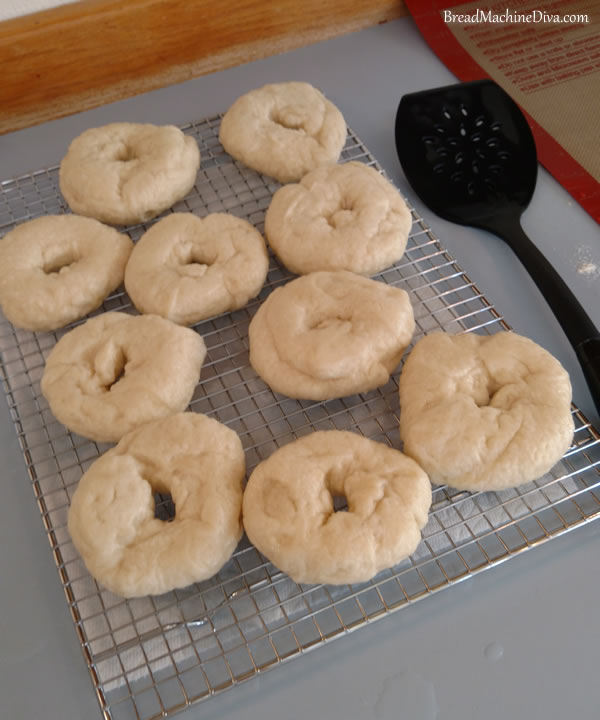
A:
[520, 640]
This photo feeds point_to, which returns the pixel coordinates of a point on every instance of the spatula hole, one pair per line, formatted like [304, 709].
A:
[459, 158]
[495, 169]
[495, 126]
[471, 188]
[476, 137]
[479, 120]
[464, 110]
[462, 130]
[428, 139]
[457, 176]
[492, 142]
[440, 129]
[503, 154]
[439, 168]
[442, 151]
[452, 141]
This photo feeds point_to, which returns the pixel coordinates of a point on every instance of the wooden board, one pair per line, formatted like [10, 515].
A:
[79, 56]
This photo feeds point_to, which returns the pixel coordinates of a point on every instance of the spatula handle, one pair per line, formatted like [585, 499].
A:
[588, 353]
[577, 325]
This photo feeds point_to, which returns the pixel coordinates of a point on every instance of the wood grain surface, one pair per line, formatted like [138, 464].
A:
[79, 56]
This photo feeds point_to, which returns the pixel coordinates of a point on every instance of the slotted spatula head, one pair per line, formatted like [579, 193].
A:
[467, 150]
[469, 154]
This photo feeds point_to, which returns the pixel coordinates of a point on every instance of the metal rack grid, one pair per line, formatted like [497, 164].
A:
[150, 657]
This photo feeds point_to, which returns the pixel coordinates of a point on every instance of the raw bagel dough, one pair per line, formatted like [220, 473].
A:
[484, 412]
[125, 173]
[200, 462]
[117, 371]
[187, 268]
[341, 217]
[330, 334]
[56, 269]
[288, 507]
[283, 130]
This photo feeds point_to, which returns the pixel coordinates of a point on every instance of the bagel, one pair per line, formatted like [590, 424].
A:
[56, 269]
[126, 173]
[112, 522]
[289, 511]
[187, 268]
[330, 334]
[283, 130]
[484, 412]
[117, 371]
[341, 217]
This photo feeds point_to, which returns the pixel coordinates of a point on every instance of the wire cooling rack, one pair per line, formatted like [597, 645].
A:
[152, 656]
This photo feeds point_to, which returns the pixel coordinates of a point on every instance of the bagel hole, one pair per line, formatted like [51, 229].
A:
[195, 262]
[198, 259]
[486, 396]
[120, 375]
[288, 119]
[58, 263]
[125, 153]
[164, 507]
[340, 503]
[342, 216]
[331, 322]
[118, 370]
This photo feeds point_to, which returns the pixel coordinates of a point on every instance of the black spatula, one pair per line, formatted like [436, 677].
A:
[469, 154]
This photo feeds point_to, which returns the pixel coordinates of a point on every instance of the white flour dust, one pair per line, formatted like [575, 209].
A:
[587, 268]
[585, 263]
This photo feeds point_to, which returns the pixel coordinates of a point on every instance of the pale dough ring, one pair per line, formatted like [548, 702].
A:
[288, 507]
[126, 173]
[112, 522]
[330, 334]
[56, 269]
[341, 217]
[484, 412]
[118, 371]
[284, 130]
[187, 268]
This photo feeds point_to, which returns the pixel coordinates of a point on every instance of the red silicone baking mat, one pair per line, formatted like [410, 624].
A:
[547, 58]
